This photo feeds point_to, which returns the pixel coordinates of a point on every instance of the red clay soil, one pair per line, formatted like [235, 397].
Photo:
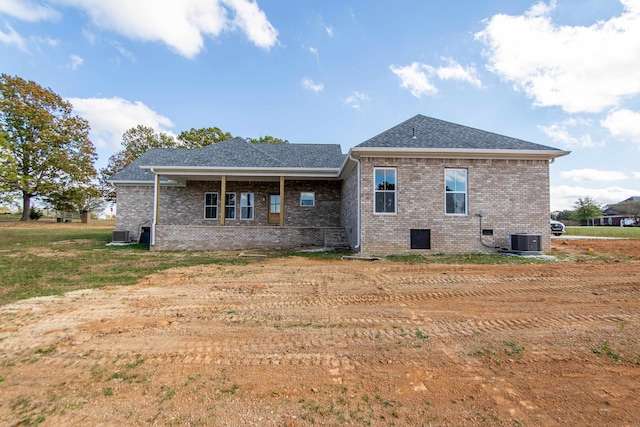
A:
[298, 342]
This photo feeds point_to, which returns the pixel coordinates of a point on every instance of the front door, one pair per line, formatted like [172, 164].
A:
[274, 209]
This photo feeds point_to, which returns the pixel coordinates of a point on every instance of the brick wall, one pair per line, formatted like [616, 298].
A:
[514, 194]
[135, 208]
[185, 205]
[229, 238]
[350, 207]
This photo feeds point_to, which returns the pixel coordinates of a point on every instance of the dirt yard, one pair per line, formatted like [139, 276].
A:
[297, 342]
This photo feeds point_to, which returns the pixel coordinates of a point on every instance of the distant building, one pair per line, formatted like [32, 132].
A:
[612, 217]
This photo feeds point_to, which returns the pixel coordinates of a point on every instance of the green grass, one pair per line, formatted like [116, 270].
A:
[41, 261]
[49, 261]
[490, 259]
[604, 231]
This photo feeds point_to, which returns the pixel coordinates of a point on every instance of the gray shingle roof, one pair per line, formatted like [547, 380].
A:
[133, 172]
[236, 153]
[433, 133]
[419, 132]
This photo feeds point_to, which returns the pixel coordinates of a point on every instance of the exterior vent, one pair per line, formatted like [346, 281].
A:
[525, 242]
[420, 239]
[120, 236]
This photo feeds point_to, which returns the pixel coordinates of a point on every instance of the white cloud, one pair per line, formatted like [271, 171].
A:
[455, 71]
[180, 25]
[76, 61]
[356, 99]
[123, 51]
[564, 197]
[89, 36]
[417, 77]
[28, 10]
[623, 124]
[314, 51]
[587, 175]
[253, 22]
[564, 133]
[578, 68]
[48, 41]
[309, 84]
[329, 30]
[11, 37]
[109, 118]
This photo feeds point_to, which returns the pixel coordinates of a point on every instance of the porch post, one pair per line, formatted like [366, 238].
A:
[223, 197]
[282, 201]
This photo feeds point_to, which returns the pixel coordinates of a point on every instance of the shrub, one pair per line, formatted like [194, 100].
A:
[35, 214]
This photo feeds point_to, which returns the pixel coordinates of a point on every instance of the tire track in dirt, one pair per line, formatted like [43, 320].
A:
[216, 310]
[329, 348]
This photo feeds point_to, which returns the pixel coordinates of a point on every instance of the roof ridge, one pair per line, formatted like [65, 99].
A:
[255, 147]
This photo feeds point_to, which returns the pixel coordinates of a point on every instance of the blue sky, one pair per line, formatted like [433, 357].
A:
[563, 73]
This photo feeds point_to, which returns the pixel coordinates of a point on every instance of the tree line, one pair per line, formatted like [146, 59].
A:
[46, 153]
[586, 209]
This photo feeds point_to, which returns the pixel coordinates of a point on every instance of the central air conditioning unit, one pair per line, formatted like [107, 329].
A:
[525, 242]
[120, 236]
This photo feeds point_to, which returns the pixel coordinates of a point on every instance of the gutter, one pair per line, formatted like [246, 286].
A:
[467, 153]
[168, 171]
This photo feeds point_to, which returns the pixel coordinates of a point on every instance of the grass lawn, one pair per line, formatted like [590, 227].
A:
[51, 261]
[604, 231]
[38, 260]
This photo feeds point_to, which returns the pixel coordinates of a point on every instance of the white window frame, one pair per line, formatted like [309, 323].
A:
[456, 191]
[394, 191]
[227, 206]
[211, 206]
[251, 206]
[312, 198]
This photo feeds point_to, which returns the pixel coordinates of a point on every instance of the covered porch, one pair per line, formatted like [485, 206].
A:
[234, 210]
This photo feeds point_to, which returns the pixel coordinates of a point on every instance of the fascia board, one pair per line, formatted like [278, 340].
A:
[162, 183]
[231, 171]
[457, 153]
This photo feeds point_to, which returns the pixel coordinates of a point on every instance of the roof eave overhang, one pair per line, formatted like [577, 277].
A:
[457, 153]
[146, 182]
[177, 171]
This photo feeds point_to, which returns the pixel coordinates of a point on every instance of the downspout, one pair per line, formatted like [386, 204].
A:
[156, 189]
[357, 246]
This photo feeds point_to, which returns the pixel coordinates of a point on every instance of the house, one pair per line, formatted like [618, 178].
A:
[425, 185]
[611, 216]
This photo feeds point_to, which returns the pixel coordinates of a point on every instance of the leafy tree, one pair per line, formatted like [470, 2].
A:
[87, 198]
[198, 138]
[139, 139]
[629, 208]
[268, 139]
[565, 215]
[586, 209]
[135, 142]
[43, 146]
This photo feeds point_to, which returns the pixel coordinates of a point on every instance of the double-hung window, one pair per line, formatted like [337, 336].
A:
[455, 191]
[246, 205]
[210, 205]
[385, 190]
[230, 206]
